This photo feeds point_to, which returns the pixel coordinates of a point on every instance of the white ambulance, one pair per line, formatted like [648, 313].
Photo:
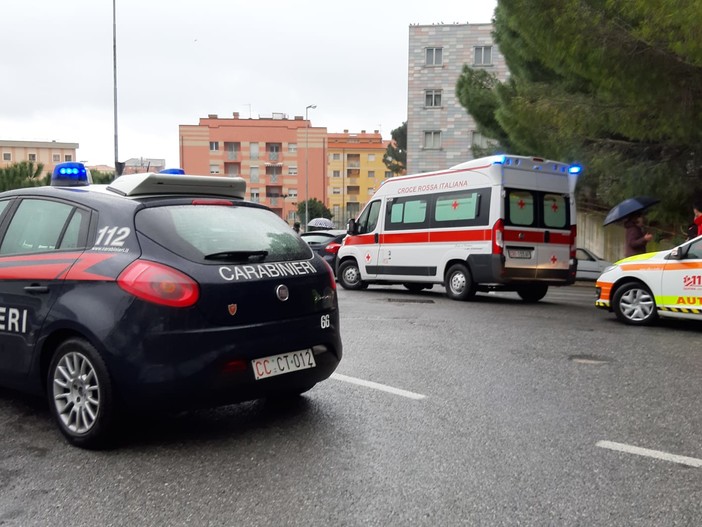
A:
[496, 223]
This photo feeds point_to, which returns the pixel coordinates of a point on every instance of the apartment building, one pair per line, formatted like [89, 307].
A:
[282, 160]
[355, 170]
[440, 132]
[49, 153]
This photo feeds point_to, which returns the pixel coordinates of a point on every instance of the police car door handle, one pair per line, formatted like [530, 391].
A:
[36, 289]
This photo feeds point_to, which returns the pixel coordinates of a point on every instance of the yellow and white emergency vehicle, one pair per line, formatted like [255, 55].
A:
[641, 288]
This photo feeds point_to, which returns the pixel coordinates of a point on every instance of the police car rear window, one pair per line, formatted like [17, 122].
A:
[200, 232]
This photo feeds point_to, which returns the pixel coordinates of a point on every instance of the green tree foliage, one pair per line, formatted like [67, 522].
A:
[614, 84]
[23, 174]
[317, 209]
[395, 157]
[102, 177]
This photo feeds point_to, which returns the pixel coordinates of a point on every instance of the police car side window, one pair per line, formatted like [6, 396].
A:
[37, 226]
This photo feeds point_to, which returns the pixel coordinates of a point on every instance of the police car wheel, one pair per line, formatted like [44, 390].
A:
[533, 293]
[349, 276]
[459, 283]
[80, 395]
[634, 304]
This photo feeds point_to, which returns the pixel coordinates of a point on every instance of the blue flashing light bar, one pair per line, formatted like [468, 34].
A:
[172, 171]
[575, 169]
[500, 160]
[70, 174]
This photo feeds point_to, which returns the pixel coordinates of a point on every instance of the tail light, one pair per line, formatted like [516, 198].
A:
[159, 284]
[573, 246]
[498, 231]
[332, 248]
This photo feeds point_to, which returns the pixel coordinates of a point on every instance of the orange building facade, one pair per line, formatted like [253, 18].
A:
[282, 160]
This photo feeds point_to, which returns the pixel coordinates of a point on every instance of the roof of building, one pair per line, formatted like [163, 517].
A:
[37, 144]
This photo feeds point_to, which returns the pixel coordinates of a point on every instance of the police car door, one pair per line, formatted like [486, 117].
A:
[42, 239]
[681, 282]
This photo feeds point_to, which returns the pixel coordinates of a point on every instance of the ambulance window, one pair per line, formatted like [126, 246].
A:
[369, 218]
[555, 211]
[408, 214]
[695, 250]
[521, 207]
[457, 206]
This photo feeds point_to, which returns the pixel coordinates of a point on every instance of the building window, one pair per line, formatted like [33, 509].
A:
[432, 98]
[292, 148]
[292, 193]
[68, 157]
[336, 190]
[32, 157]
[336, 173]
[214, 168]
[6, 156]
[56, 158]
[483, 56]
[292, 171]
[253, 150]
[336, 157]
[371, 173]
[214, 146]
[477, 139]
[371, 158]
[432, 140]
[371, 191]
[255, 196]
[254, 174]
[388, 174]
[434, 57]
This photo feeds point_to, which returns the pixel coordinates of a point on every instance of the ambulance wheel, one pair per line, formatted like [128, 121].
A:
[80, 394]
[350, 276]
[533, 293]
[634, 304]
[459, 283]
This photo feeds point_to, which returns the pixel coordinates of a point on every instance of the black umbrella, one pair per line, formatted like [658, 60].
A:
[627, 207]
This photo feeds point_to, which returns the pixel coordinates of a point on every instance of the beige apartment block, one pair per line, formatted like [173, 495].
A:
[49, 153]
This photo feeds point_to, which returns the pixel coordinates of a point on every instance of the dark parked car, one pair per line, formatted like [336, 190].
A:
[326, 244]
[156, 290]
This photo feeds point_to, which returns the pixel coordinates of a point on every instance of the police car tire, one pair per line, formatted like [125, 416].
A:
[533, 293]
[650, 318]
[459, 283]
[79, 352]
[350, 267]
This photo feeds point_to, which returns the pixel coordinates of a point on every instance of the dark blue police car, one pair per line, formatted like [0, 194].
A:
[156, 291]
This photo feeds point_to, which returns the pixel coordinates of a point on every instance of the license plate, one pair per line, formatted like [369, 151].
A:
[519, 253]
[284, 363]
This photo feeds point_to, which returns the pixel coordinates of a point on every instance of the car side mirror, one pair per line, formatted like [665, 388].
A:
[677, 254]
[352, 227]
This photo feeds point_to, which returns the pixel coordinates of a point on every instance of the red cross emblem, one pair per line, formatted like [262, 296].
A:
[454, 204]
[368, 257]
[521, 203]
[553, 259]
[554, 207]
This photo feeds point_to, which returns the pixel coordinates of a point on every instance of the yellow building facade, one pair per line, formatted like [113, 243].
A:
[355, 170]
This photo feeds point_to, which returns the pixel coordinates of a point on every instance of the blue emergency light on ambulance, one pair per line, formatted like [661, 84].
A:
[71, 174]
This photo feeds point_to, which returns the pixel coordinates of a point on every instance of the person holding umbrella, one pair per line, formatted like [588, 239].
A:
[636, 237]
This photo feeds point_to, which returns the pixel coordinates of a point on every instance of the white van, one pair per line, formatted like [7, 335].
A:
[496, 223]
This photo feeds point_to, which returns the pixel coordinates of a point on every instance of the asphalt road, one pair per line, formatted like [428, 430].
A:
[491, 412]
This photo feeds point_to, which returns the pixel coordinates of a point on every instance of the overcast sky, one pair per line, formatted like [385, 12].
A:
[179, 60]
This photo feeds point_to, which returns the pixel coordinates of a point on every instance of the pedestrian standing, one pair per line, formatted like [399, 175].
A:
[636, 237]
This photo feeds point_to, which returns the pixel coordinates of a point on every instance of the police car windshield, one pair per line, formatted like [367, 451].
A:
[235, 233]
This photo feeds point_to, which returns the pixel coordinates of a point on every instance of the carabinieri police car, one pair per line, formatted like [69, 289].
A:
[641, 288]
[157, 290]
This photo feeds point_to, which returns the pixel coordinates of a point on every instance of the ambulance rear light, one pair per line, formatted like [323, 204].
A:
[70, 174]
[498, 237]
[573, 236]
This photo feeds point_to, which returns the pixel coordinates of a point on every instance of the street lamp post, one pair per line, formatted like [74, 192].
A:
[307, 165]
[118, 172]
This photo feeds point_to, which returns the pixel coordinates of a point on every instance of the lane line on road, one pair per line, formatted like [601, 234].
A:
[657, 454]
[377, 386]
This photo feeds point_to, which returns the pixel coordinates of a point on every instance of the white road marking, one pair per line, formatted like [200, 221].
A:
[376, 386]
[657, 454]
